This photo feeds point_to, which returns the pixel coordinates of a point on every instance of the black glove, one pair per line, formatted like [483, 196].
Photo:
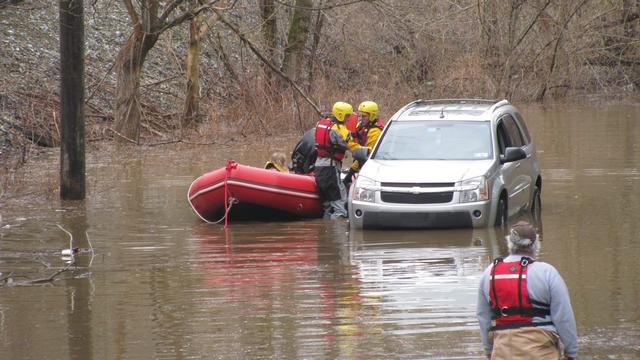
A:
[348, 178]
[361, 154]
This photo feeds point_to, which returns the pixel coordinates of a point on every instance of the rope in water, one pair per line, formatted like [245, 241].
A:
[228, 202]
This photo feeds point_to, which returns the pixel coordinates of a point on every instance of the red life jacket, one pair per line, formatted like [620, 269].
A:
[360, 135]
[512, 307]
[323, 141]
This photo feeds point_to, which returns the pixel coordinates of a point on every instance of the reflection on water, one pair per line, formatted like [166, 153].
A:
[162, 284]
[412, 274]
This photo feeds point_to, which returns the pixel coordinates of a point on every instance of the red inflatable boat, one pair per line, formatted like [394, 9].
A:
[252, 193]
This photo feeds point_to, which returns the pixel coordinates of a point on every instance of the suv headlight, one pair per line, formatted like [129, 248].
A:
[365, 189]
[475, 189]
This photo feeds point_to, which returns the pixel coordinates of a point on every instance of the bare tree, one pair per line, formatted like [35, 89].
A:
[254, 49]
[297, 38]
[505, 43]
[192, 93]
[567, 14]
[149, 19]
[269, 32]
[630, 27]
[316, 35]
[198, 27]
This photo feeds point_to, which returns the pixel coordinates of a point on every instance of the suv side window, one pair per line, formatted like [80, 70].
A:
[523, 128]
[513, 132]
[503, 139]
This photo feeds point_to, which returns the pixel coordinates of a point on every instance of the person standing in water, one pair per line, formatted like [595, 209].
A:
[524, 304]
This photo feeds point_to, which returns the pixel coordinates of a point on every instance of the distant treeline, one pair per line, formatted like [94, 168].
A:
[176, 70]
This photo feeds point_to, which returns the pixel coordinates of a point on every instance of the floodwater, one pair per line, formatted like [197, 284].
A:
[161, 284]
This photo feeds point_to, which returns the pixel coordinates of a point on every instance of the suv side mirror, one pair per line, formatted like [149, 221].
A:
[512, 154]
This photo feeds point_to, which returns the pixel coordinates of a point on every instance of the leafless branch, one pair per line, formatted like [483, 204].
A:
[187, 15]
[262, 58]
[131, 10]
[535, 19]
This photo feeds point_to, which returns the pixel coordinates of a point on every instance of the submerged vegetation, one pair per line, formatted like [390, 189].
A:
[194, 71]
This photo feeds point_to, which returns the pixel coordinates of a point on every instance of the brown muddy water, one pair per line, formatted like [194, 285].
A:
[161, 284]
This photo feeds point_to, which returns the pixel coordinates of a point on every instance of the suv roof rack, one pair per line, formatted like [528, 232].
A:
[408, 106]
[492, 103]
[460, 101]
[499, 104]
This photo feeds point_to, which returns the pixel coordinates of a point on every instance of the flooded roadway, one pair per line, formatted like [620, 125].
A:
[162, 284]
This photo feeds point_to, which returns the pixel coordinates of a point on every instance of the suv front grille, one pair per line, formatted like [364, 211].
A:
[424, 198]
[424, 185]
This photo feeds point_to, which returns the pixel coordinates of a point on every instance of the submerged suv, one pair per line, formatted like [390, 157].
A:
[448, 163]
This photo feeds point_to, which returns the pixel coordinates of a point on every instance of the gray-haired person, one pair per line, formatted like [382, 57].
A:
[524, 309]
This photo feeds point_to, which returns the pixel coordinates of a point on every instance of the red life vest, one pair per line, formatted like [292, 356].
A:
[360, 135]
[323, 141]
[512, 307]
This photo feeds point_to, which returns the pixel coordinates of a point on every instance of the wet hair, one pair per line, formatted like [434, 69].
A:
[523, 238]
[277, 162]
[279, 158]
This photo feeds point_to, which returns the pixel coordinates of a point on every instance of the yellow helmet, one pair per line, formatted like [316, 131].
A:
[369, 107]
[341, 110]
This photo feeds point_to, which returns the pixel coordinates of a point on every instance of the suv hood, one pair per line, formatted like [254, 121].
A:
[424, 171]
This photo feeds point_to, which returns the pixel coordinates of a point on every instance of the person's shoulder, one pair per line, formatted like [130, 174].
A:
[340, 127]
[487, 269]
[544, 267]
[543, 264]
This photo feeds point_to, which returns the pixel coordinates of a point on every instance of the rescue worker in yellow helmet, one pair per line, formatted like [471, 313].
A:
[333, 139]
[367, 132]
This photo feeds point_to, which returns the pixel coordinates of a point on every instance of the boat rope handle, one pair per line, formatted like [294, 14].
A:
[231, 164]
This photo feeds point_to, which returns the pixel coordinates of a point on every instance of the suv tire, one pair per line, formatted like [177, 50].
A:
[536, 206]
[501, 213]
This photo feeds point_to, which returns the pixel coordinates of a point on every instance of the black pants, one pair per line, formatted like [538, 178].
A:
[327, 183]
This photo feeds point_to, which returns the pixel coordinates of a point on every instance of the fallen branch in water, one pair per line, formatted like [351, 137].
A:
[50, 278]
[8, 280]
[67, 255]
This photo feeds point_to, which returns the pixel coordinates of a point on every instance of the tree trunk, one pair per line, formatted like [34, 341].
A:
[490, 37]
[72, 157]
[297, 38]
[269, 33]
[128, 69]
[317, 33]
[508, 59]
[559, 55]
[150, 19]
[192, 97]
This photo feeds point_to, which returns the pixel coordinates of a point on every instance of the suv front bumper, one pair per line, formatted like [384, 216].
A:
[375, 215]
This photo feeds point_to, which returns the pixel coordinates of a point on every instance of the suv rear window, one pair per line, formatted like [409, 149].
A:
[435, 140]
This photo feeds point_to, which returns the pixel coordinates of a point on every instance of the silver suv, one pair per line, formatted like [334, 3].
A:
[448, 163]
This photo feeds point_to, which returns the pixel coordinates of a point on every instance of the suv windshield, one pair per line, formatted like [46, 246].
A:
[435, 140]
